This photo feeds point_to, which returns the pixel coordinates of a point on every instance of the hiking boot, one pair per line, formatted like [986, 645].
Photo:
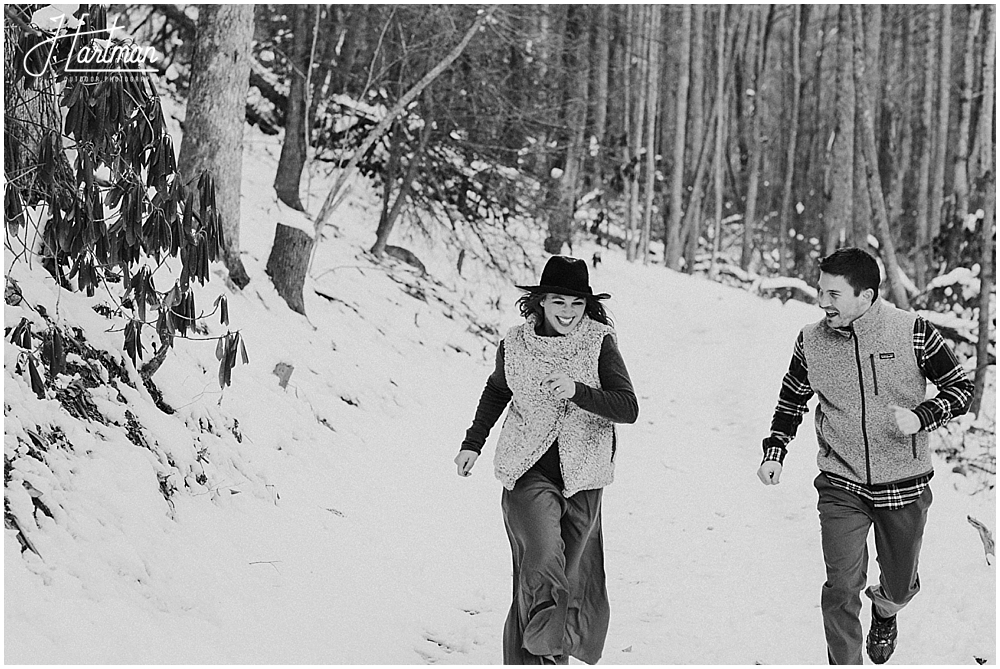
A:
[881, 638]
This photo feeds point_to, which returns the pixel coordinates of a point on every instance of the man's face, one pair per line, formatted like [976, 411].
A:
[837, 299]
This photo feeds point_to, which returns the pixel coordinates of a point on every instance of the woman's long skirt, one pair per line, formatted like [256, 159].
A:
[560, 604]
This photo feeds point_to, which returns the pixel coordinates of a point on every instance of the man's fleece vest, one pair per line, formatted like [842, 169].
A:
[857, 378]
[536, 418]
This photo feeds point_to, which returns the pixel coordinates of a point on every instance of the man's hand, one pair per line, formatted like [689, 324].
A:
[560, 385]
[465, 460]
[907, 421]
[770, 473]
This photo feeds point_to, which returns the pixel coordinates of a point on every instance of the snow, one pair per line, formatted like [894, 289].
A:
[331, 527]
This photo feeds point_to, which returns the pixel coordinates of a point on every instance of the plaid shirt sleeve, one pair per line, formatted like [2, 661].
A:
[939, 365]
[792, 405]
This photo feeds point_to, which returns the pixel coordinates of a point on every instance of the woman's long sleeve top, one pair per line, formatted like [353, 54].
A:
[614, 400]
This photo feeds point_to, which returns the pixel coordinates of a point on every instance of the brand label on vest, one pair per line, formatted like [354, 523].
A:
[886, 356]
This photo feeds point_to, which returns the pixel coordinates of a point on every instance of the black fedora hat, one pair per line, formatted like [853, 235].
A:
[565, 276]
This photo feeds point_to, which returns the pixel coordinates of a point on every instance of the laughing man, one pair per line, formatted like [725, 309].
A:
[868, 363]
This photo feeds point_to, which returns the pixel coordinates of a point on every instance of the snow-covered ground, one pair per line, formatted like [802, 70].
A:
[331, 527]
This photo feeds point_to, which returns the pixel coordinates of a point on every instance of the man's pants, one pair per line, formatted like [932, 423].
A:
[560, 602]
[844, 521]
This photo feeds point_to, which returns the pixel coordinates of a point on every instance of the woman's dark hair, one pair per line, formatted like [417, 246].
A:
[857, 266]
[531, 303]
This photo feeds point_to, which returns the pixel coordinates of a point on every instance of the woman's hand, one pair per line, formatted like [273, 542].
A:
[560, 385]
[465, 460]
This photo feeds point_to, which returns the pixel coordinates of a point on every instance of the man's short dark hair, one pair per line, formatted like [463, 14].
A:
[857, 266]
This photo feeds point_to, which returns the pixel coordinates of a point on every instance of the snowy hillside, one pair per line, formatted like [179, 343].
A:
[323, 522]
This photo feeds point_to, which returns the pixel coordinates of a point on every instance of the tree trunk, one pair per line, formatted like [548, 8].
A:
[839, 210]
[652, 97]
[982, 147]
[602, 45]
[575, 110]
[697, 91]
[864, 101]
[388, 221]
[672, 251]
[288, 263]
[29, 114]
[960, 181]
[926, 133]
[987, 270]
[899, 98]
[944, 104]
[294, 147]
[757, 32]
[720, 129]
[793, 136]
[869, 29]
[640, 18]
[690, 227]
[985, 169]
[216, 112]
[389, 179]
[699, 128]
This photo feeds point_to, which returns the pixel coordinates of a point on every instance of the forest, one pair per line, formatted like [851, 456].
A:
[259, 260]
[739, 141]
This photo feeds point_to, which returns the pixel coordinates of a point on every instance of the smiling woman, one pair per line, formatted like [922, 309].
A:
[567, 385]
[562, 313]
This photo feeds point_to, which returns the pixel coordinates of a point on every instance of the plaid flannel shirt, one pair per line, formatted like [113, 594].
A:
[938, 364]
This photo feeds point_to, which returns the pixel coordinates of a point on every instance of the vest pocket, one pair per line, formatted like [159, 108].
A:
[874, 373]
[913, 441]
[820, 419]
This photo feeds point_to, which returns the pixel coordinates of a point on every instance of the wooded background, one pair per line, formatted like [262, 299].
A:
[737, 140]
[770, 134]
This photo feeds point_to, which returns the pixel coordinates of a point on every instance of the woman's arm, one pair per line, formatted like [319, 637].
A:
[615, 399]
[496, 394]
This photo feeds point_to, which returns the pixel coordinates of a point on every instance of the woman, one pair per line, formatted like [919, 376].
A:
[567, 385]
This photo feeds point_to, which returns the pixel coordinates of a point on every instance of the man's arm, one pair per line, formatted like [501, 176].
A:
[939, 365]
[792, 405]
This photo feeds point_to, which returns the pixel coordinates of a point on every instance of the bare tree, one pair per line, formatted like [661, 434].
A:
[982, 147]
[899, 134]
[652, 97]
[986, 177]
[888, 250]
[672, 252]
[941, 137]
[793, 136]
[840, 206]
[756, 50]
[575, 110]
[599, 99]
[293, 149]
[292, 249]
[926, 134]
[720, 120]
[215, 114]
[960, 181]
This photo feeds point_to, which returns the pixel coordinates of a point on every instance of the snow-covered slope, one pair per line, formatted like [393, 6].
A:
[323, 522]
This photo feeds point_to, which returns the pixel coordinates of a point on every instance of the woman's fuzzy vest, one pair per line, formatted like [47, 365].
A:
[536, 418]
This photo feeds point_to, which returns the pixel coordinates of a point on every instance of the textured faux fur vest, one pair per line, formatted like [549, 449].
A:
[535, 418]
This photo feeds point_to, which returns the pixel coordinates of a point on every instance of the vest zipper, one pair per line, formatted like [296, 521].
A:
[913, 439]
[864, 428]
[874, 374]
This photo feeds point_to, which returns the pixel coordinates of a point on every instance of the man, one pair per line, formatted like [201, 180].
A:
[868, 363]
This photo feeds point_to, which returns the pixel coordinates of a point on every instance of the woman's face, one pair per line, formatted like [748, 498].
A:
[562, 313]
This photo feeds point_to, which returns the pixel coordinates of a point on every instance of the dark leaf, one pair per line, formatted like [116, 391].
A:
[36, 379]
